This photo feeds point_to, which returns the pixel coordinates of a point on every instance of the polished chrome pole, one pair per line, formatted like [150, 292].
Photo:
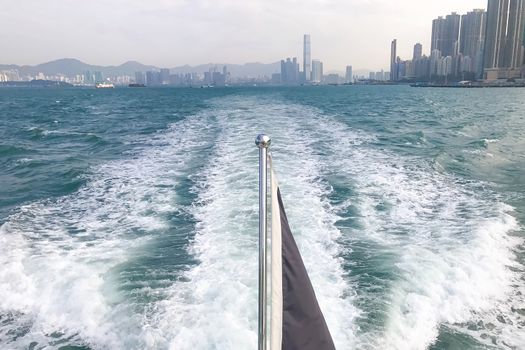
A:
[263, 142]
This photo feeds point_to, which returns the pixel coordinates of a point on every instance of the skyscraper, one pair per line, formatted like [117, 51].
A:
[472, 40]
[307, 58]
[504, 47]
[164, 76]
[393, 63]
[317, 71]
[139, 78]
[438, 32]
[445, 34]
[418, 52]
[451, 42]
[349, 75]
[290, 71]
[152, 78]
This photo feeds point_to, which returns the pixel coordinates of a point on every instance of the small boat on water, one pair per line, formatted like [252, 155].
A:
[104, 86]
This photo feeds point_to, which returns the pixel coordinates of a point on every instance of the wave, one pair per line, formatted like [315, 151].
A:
[446, 246]
[395, 249]
[62, 260]
[216, 304]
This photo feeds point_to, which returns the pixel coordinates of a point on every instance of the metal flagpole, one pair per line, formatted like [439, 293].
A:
[263, 142]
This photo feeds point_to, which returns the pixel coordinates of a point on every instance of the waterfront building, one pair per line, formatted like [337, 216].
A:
[504, 48]
[421, 68]
[208, 79]
[218, 79]
[401, 69]
[418, 52]
[332, 79]
[307, 58]
[435, 56]
[152, 78]
[445, 34]
[317, 71]
[88, 78]
[10, 75]
[445, 66]
[290, 71]
[348, 76]
[472, 40]
[276, 78]
[466, 64]
[164, 76]
[139, 78]
[393, 64]
[99, 77]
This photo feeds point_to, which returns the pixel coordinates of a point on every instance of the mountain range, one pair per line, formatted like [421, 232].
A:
[71, 67]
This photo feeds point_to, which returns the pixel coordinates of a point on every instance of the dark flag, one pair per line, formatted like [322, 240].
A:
[297, 322]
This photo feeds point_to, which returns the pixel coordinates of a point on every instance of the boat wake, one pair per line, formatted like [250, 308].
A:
[159, 249]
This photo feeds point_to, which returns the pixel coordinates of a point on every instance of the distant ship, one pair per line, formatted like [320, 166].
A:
[136, 85]
[104, 86]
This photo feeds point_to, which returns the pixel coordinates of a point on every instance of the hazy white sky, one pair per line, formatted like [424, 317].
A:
[169, 33]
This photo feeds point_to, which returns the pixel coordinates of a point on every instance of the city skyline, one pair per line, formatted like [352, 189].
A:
[481, 44]
[163, 33]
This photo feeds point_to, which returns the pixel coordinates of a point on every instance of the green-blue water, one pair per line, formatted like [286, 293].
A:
[129, 216]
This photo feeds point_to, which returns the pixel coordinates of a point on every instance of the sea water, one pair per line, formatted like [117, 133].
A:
[128, 217]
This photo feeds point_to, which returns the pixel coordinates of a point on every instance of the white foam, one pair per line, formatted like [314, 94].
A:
[57, 256]
[217, 306]
[452, 252]
[447, 241]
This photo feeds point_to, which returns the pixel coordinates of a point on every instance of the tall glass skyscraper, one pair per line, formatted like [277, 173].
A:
[307, 58]
[393, 64]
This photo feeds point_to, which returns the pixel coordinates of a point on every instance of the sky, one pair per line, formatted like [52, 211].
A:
[170, 33]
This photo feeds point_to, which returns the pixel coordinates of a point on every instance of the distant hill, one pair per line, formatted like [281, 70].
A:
[71, 67]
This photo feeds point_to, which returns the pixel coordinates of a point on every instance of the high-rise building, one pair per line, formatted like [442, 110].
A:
[393, 64]
[99, 77]
[290, 71]
[88, 78]
[402, 69]
[349, 75]
[226, 74]
[438, 32]
[504, 47]
[218, 79]
[435, 56]
[152, 78]
[422, 68]
[317, 71]
[472, 40]
[418, 52]
[445, 34]
[307, 58]
[380, 75]
[139, 78]
[164, 76]
[332, 79]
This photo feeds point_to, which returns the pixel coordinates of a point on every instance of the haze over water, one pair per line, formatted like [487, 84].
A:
[129, 216]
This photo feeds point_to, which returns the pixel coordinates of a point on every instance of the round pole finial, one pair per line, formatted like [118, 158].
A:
[263, 141]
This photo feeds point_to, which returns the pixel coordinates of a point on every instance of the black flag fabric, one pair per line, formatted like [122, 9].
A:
[297, 322]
